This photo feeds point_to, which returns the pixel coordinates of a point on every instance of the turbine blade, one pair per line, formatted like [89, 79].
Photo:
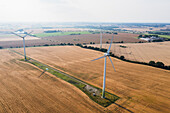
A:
[98, 58]
[112, 63]
[27, 34]
[30, 32]
[16, 34]
[110, 45]
[101, 36]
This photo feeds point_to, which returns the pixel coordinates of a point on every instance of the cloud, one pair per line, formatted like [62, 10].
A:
[85, 10]
[55, 1]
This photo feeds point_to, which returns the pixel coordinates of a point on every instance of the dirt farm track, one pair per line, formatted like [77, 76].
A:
[141, 88]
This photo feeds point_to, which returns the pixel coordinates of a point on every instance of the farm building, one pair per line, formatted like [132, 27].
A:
[152, 39]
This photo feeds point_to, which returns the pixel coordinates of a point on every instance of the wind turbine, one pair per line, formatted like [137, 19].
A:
[107, 54]
[101, 35]
[23, 37]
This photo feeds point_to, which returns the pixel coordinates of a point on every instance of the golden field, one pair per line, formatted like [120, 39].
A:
[21, 90]
[141, 88]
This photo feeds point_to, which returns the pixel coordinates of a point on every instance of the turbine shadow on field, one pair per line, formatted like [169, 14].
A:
[123, 108]
[120, 106]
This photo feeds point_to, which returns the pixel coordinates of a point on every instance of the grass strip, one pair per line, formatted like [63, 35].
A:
[105, 102]
[110, 98]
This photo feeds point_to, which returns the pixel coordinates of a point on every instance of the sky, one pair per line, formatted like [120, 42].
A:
[148, 11]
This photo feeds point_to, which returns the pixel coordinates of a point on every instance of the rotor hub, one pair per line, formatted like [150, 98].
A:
[106, 54]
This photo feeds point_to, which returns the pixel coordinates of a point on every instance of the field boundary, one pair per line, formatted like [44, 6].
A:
[41, 35]
[93, 92]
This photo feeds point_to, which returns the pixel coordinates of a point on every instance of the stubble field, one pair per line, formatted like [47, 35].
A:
[8, 42]
[144, 88]
[87, 38]
[8, 37]
[22, 91]
[143, 52]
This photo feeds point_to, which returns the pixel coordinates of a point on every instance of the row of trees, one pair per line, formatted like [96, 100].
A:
[75, 34]
[147, 36]
[91, 47]
[52, 31]
[159, 32]
[61, 44]
[159, 64]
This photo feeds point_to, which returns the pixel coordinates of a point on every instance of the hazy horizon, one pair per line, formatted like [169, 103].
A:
[93, 11]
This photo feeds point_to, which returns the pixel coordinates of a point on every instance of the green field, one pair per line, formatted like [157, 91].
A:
[164, 36]
[61, 34]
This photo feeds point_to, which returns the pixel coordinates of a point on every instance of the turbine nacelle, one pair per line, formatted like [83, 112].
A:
[106, 54]
[26, 34]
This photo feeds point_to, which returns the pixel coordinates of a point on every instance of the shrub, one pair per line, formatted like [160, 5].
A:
[140, 36]
[168, 67]
[159, 64]
[45, 45]
[79, 45]
[84, 46]
[152, 63]
[112, 55]
[123, 46]
[103, 50]
[122, 57]
[70, 44]
[96, 48]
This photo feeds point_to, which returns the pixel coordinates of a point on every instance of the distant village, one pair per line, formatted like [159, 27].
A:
[151, 38]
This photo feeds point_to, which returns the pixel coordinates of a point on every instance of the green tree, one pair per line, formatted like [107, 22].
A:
[122, 57]
[152, 63]
[159, 64]
[140, 36]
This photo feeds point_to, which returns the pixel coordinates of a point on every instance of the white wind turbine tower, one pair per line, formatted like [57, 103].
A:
[23, 37]
[105, 56]
[101, 35]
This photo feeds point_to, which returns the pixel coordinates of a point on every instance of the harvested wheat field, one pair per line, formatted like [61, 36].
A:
[29, 43]
[22, 91]
[5, 37]
[142, 88]
[143, 52]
